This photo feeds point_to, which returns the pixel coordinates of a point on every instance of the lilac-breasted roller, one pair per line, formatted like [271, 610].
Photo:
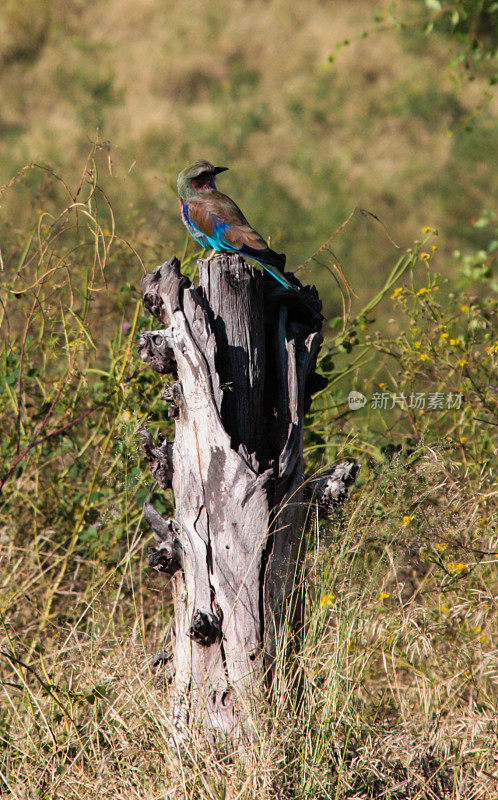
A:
[215, 221]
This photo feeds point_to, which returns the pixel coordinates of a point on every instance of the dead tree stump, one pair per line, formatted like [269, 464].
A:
[243, 354]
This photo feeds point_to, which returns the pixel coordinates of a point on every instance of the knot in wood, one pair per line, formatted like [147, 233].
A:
[164, 558]
[205, 628]
[156, 348]
[153, 303]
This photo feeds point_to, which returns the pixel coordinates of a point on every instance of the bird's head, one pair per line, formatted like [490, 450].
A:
[197, 178]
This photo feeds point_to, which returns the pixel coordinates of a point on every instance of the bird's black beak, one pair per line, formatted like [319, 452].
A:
[217, 170]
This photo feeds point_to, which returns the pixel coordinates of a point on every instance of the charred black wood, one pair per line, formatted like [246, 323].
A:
[156, 348]
[160, 659]
[165, 558]
[173, 396]
[205, 628]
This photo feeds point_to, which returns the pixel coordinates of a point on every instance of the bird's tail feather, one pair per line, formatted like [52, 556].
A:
[271, 261]
[279, 276]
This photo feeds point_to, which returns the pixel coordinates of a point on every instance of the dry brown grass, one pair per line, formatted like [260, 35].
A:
[397, 666]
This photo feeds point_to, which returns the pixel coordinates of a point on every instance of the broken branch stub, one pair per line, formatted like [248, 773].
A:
[330, 489]
[243, 352]
[156, 348]
[166, 556]
[160, 459]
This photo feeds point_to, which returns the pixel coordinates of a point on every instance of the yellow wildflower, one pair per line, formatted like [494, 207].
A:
[456, 567]
[408, 519]
[417, 345]
[464, 307]
[424, 357]
[327, 600]
[384, 595]
[462, 362]
[483, 639]
[424, 256]
[445, 335]
[382, 385]
[455, 342]
[463, 439]
[441, 547]
[423, 290]
[444, 608]
[434, 248]
[426, 229]
[397, 292]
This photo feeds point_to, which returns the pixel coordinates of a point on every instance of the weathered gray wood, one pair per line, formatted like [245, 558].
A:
[244, 353]
[211, 483]
[233, 293]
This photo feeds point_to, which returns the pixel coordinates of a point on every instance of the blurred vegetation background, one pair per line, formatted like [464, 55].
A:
[361, 137]
[316, 107]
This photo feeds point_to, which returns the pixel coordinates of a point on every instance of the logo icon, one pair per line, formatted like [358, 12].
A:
[356, 400]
